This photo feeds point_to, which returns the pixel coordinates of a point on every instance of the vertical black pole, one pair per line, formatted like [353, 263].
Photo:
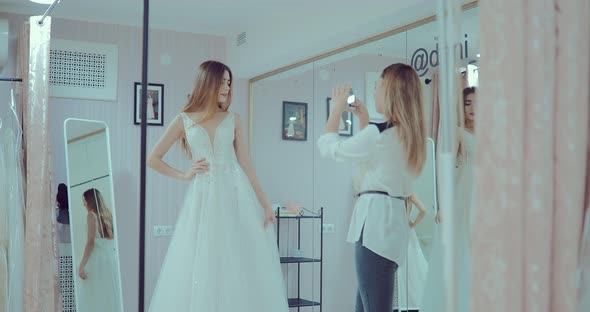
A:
[142, 182]
[321, 256]
[299, 263]
[277, 214]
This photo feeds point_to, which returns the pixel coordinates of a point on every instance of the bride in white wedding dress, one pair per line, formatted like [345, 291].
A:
[433, 299]
[223, 255]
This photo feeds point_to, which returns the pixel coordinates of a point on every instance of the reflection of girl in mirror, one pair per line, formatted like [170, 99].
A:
[433, 299]
[391, 155]
[466, 137]
[222, 240]
[100, 289]
[469, 101]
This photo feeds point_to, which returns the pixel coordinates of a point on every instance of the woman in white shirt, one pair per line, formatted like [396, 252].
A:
[391, 156]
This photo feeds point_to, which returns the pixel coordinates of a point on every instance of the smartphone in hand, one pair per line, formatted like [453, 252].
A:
[351, 98]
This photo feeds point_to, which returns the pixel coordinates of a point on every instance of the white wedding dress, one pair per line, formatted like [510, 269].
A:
[412, 274]
[221, 257]
[100, 290]
[433, 299]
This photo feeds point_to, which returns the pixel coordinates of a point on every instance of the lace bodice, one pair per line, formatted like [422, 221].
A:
[218, 149]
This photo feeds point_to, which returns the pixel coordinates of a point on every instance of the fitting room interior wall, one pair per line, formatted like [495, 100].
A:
[187, 51]
[305, 177]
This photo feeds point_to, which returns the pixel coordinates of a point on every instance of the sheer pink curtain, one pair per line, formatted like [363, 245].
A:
[531, 162]
[41, 255]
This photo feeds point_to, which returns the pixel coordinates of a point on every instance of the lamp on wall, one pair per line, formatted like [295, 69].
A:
[42, 1]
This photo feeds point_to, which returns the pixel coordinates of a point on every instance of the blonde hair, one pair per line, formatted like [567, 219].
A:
[96, 204]
[404, 108]
[205, 92]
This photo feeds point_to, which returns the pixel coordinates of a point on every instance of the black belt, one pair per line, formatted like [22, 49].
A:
[380, 193]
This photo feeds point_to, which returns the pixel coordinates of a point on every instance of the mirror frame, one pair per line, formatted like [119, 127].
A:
[113, 207]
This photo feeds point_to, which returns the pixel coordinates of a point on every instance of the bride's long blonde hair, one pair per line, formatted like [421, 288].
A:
[96, 204]
[205, 93]
[404, 108]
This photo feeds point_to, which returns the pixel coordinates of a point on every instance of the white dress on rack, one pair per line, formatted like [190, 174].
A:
[221, 257]
[12, 208]
[100, 291]
[433, 299]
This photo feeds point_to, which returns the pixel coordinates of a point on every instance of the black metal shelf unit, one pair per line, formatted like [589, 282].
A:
[299, 302]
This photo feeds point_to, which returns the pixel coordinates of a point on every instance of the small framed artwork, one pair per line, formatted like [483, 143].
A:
[294, 121]
[155, 104]
[345, 127]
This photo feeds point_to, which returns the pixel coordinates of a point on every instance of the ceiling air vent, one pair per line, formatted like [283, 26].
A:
[240, 39]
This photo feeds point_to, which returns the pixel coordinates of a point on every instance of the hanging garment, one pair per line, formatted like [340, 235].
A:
[12, 200]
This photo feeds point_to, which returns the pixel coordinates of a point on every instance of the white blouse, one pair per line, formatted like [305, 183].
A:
[380, 219]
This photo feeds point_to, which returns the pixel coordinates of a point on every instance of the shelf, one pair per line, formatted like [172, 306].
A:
[299, 217]
[303, 214]
[298, 260]
[298, 303]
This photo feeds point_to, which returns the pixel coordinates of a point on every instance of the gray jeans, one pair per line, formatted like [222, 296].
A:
[375, 276]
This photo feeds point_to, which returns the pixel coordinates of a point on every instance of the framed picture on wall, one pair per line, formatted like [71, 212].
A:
[345, 128]
[155, 104]
[294, 121]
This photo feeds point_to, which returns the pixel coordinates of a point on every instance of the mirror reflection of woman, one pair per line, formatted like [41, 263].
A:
[99, 288]
[469, 103]
[391, 156]
[433, 299]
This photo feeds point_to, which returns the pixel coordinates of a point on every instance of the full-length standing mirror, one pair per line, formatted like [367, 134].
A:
[94, 236]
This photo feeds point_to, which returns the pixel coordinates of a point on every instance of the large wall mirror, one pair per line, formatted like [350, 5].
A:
[92, 216]
[288, 113]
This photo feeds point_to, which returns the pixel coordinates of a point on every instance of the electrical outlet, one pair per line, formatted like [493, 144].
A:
[157, 231]
[168, 230]
[328, 228]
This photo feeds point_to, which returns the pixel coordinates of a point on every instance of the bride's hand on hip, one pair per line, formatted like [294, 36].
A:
[200, 166]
